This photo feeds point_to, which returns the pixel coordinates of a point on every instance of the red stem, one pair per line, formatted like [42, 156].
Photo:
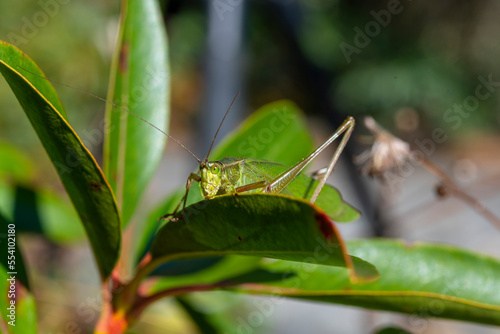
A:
[143, 302]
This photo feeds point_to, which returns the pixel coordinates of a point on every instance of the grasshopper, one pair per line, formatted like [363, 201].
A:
[234, 176]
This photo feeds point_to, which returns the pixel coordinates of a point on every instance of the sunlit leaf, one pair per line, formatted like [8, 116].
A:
[139, 83]
[422, 279]
[79, 172]
[274, 226]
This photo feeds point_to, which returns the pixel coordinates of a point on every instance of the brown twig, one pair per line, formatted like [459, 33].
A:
[390, 153]
[455, 190]
[143, 302]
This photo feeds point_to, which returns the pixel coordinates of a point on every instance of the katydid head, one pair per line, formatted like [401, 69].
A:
[211, 177]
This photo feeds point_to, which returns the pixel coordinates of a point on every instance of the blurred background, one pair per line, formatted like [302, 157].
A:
[413, 66]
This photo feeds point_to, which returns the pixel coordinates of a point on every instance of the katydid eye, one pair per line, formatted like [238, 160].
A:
[216, 169]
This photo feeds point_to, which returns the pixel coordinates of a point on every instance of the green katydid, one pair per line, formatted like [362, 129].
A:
[234, 176]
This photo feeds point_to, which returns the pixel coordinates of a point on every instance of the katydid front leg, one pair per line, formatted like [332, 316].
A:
[191, 177]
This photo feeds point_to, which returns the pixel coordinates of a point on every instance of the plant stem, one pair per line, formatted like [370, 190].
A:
[392, 151]
[110, 321]
[119, 299]
[144, 302]
[459, 193]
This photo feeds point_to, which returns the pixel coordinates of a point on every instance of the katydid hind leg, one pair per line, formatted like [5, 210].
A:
[284, 179]
[251, 186]
[347, 127]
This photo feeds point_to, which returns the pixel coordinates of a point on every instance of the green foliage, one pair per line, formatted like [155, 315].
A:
[140, 80]
[77, 168]
[271, 217]
[273, 226]
[230, 234]
[421, 279]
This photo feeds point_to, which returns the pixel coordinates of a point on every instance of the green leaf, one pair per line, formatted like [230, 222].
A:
[228, 267]
[139, 83]
[262, 225]
[422, 279]
[79, 172]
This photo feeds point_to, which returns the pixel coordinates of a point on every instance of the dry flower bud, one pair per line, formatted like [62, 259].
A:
[387, 152]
